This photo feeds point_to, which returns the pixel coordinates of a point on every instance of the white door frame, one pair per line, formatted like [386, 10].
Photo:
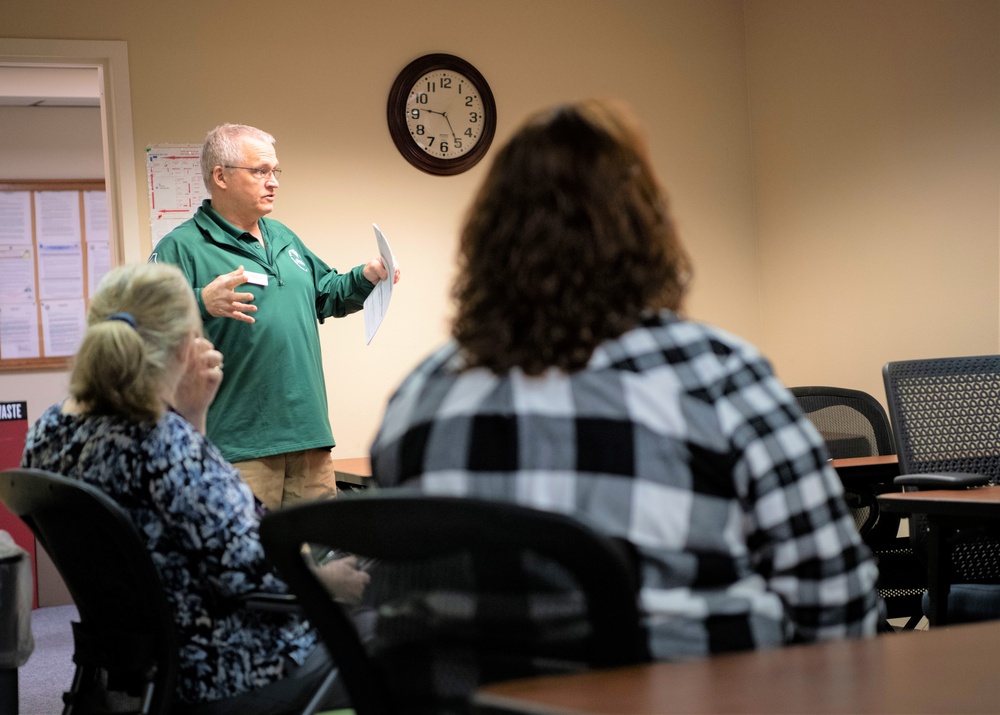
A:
[110, 59]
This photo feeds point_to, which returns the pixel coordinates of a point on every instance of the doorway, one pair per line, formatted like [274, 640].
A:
[110, 61]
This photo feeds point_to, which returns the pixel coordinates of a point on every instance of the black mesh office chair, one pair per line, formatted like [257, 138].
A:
[945, 415]
[463, 592]
[125, 646]
[854, 424]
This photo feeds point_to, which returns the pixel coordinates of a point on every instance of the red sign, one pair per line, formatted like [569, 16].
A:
[13, 430]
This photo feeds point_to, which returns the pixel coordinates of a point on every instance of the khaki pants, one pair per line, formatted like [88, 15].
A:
[283, 479]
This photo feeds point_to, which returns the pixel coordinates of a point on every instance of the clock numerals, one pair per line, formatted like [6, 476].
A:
[438, 117]
[444, 82]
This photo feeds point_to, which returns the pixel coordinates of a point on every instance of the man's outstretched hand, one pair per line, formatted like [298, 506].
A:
[222, 301]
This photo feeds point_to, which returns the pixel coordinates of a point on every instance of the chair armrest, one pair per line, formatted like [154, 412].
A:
[942, 480]
[270, 602]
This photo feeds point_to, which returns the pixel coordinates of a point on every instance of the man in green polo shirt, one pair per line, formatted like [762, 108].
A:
[270, 416]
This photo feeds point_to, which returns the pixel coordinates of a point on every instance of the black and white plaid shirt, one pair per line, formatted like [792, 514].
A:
[678, 437]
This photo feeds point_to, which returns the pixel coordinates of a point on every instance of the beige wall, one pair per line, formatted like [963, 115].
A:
[876, 138]
[316, 74]
[819, 156]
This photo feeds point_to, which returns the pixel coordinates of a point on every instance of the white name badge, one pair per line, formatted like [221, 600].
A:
[258, 279]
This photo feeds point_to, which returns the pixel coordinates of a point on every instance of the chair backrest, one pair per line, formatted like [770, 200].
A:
[126, 633]
[946, 414]
[852, 422]
[463, 592]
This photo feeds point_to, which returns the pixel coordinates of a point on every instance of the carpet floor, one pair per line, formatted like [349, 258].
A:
[49, 670]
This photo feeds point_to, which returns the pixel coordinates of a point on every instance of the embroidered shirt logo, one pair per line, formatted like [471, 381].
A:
[294, 255]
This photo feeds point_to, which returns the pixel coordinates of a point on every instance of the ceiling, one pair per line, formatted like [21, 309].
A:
[47, 86]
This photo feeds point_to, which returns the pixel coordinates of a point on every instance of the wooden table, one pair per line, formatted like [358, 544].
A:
[947, 670]
[946, 510]
[357, 470]
[881, 469]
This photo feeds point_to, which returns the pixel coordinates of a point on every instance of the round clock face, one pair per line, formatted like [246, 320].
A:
[441, 114]
[445, 115]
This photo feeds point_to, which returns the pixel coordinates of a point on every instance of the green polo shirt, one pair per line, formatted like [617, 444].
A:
[273, 396]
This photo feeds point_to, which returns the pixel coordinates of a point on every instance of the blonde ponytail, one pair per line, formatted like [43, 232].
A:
[139, 319]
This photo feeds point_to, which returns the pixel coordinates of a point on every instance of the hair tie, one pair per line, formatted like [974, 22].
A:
[124, 317]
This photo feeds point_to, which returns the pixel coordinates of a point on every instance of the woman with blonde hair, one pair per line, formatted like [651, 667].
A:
[133, 426]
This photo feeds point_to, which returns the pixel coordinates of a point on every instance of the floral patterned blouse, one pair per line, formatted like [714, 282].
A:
[201, 528]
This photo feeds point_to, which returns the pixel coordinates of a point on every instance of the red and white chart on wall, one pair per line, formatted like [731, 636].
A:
[176, 188]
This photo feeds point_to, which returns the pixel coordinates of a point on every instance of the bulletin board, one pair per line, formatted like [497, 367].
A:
[55, 246]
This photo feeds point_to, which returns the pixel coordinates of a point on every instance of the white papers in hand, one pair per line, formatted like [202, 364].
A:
[377, 302]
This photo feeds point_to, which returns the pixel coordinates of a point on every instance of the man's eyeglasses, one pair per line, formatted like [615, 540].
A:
[257, 172]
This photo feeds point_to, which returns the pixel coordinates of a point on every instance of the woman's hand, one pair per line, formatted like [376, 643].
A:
[343, 580]
[199, 383]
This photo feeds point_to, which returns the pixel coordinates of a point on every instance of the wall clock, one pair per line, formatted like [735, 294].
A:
[441, 114]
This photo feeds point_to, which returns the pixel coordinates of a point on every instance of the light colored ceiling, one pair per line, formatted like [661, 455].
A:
[22, 86]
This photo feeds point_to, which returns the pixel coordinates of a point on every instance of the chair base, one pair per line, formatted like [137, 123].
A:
[8, 691]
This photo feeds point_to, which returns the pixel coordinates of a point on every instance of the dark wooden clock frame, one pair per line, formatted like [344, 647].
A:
[396, 114]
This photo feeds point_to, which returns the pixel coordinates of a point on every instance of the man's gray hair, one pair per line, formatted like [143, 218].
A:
[224, 147]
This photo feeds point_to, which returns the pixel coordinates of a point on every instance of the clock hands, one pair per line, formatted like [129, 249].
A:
[445, 115]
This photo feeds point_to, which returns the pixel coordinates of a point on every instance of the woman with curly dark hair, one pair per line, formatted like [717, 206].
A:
[574, 385]
[568, 241]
